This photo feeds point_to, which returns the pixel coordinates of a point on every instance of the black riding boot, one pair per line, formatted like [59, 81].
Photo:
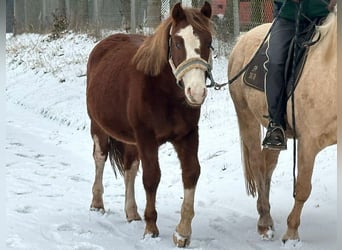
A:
[277, 52]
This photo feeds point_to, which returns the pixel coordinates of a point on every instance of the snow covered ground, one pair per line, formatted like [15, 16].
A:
[50, 170]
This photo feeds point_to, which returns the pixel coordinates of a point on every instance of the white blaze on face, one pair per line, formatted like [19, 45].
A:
[194, 80]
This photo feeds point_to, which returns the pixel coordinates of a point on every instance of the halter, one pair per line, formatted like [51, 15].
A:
[189, 64]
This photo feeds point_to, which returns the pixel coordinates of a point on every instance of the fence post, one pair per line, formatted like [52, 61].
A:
[236, 17]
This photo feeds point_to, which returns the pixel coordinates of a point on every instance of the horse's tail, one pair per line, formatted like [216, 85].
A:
[248, 171]
[116, 152]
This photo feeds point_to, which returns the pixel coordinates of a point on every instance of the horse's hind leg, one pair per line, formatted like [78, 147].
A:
[131, 163]
[148, 153]
[265, 222]
[187, 149]
[100, 154]
[258, 167]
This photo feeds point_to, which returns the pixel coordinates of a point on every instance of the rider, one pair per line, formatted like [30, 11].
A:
[283, 31]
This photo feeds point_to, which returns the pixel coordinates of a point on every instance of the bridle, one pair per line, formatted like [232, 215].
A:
[189, 64]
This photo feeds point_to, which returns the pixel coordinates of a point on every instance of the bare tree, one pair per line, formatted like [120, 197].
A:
[173, 2]
[126, 14]
[198, 3]
[62, 7]
[83, 14]
[225, 24]
[153, 14]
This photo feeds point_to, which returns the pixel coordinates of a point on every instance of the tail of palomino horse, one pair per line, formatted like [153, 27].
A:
[249, 126]
[116, 152]
[249, 177]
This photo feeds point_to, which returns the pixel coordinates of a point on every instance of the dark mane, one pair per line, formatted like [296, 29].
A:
[151, 57]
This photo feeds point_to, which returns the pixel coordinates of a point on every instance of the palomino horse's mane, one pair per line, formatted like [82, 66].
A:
[328, 33]
[328, 23]
[152, 55]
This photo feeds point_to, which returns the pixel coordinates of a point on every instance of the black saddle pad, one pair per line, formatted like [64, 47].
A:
[255, 72]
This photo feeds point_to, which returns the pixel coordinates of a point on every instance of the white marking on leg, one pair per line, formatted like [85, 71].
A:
[182, 236]
[130, 203]
[100, 159]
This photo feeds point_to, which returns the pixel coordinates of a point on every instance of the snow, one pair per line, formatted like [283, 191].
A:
[50, 170]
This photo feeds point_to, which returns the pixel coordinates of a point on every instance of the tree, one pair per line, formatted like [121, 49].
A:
[126, 14]
[173, 2]
[198, 3]
[225, 24]
[153, 14]
[83, 15]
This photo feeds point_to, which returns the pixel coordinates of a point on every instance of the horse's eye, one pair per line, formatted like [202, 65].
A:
[178, 45]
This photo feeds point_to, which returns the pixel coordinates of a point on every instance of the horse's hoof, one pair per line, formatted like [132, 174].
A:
[151, 233]
[133, 217]
[181, 241]
[96, 209]
[287, 243]
[266, 233]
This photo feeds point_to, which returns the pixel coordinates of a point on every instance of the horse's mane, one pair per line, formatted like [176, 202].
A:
[151, 56]
[327, 24]
[328, 33]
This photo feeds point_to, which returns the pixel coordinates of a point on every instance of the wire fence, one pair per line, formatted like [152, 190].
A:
[132, 16]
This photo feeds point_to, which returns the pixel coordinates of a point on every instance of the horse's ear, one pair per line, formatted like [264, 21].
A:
[178, 12]
[206, 9]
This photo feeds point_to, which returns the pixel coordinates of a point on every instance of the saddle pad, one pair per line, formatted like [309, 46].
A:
[255, 73]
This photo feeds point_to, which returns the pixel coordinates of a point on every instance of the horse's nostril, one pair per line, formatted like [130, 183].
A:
[189, 91]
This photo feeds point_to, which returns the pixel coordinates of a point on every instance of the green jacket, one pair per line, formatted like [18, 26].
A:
[310, 8]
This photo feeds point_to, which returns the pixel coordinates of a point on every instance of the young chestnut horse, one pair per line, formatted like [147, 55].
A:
[315, 114]
[135, 105]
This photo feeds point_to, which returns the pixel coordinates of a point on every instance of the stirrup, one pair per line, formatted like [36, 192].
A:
[275, 137]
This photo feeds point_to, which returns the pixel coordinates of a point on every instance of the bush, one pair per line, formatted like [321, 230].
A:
[60, 24]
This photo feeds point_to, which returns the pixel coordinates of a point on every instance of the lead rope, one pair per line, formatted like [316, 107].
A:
[293, 81]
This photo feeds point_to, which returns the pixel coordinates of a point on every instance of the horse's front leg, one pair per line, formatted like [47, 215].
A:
[187, 149]
[148, 152]
[306, 157]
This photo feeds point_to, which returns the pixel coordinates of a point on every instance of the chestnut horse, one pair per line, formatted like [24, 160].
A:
[145, 91]
[315, 112]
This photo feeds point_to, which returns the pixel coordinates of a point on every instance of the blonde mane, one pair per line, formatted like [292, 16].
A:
[328, 33]
[329, 24]
[151, 57]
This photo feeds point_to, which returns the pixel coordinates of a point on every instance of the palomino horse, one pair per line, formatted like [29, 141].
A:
[315, 113]
[135, 105]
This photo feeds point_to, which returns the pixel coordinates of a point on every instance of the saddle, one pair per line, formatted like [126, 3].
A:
[254, 75]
